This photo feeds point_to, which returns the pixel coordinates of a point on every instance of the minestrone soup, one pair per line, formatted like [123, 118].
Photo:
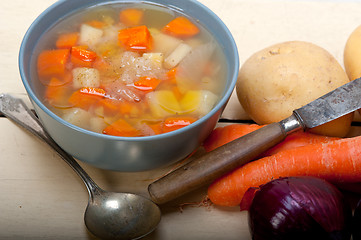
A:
[130, 70]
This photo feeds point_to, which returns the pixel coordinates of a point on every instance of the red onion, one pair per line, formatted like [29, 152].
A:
[299, 208]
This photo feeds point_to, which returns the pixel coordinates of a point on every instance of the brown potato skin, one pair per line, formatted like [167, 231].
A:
[283, 77]
[352, 54]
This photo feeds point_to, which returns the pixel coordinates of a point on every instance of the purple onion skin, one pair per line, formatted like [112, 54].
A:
[298, 208]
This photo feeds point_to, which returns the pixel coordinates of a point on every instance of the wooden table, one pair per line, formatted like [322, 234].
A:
[42, 198]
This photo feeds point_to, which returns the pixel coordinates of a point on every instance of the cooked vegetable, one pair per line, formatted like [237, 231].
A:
[107, 62]
[131, 16]
[97, 124]
[337, 161]
[52, 62]
[207, 101]
[85, 77]
[171, 75]
[121, 128]
[163, 103]
[67, 40]
[165, 43]
[192, 67]
[112, 107]
[223, 135]
[174, 123]
[77, 116]
[177, 55]
[83, 54]
[155, 58]
[89, 35]
[57, 93]
[181, 27]
[86, 97]
[299, 208]
[136, 39]
[190, 101]
[96, 24]
[283, 77]
[147, 84]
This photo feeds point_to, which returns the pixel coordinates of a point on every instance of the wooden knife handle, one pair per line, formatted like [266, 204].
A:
[220, 161]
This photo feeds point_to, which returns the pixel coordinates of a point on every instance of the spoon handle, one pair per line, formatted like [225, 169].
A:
[16, 110]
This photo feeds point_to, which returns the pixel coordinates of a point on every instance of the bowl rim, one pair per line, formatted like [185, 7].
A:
[232, 75]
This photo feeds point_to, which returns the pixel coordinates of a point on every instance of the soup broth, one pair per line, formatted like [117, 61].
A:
[130, 70]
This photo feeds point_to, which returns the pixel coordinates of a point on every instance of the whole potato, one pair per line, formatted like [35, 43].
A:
[283, 77]
[352, 54]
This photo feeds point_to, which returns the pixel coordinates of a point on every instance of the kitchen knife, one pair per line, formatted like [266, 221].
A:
[204, 170]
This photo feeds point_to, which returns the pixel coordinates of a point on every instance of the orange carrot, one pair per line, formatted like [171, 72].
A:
[126, 108]
[86, 97]
[171, 75]
[174, 123]
[104, 67]
[57, 81]
[67, 40]
[131, 16]
[146, 84]
[298, 139]
[156, 127]
[56, 93]
[181, 27]
[337, 161]
[121, 128]
[52, 62]
[110, 106]
[80, 56]
[223, 135]
[136, 38]
[96, 23]
[177, 92]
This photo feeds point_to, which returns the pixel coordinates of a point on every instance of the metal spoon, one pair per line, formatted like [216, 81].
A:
[109, 215]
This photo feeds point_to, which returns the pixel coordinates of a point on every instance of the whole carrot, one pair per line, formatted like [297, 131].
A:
[337, 161]
[223, 135]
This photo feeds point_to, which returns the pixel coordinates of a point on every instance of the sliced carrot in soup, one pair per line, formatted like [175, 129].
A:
[136, 39]
[174, 123]
[121, 128]
[181, 27]
[147, 84]
[131, 16]
[86, 97]
[67, 40]
[52, 62]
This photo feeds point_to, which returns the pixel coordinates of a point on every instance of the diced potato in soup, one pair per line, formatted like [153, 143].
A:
[90, 35]
[85, 77]
[181, 51]
[130, 80]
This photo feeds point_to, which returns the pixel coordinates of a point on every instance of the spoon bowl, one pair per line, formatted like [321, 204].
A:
[109, 215]
[120, 215]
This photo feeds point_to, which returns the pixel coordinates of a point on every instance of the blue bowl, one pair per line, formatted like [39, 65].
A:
[125, 153]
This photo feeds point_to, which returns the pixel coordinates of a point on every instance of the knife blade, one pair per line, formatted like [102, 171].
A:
[210, 166]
